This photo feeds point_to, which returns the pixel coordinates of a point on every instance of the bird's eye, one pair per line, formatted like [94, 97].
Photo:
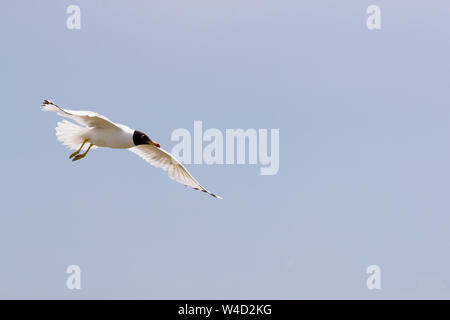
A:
[142, 136]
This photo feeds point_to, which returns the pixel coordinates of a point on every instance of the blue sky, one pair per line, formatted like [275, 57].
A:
[364, 163]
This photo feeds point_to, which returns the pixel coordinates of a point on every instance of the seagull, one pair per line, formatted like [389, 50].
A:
[99, 131]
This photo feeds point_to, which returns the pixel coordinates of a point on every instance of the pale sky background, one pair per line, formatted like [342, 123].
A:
[364, 119]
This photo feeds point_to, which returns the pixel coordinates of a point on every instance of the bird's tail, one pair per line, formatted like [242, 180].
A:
[71, 135]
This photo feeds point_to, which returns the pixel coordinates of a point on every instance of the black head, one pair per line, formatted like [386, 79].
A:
[140, 138]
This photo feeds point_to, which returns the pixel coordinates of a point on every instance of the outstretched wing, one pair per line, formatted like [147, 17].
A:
[87, 118]
[162, 159]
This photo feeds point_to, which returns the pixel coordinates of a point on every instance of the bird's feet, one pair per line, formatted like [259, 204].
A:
[74, 154]
[78, 157]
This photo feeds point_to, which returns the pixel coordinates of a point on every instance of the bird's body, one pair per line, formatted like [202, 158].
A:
[120, 138]
[99, 131]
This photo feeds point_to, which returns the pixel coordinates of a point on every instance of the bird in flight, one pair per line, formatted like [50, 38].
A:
[99, 131]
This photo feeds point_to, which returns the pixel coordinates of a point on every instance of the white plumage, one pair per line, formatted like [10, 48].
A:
[99, 131]
[71, 135]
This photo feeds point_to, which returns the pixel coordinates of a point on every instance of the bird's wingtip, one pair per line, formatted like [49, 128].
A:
[45, 104]
[48, 105]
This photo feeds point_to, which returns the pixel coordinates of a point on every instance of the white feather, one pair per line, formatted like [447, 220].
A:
[87, 118]
[164, 160]
[71, 135]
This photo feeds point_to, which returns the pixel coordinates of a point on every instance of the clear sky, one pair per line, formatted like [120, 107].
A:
[364, 178]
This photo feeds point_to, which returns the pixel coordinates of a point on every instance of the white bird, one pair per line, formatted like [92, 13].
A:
[99, 131]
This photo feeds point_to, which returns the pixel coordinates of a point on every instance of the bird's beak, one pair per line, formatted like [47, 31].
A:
[156, 144]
